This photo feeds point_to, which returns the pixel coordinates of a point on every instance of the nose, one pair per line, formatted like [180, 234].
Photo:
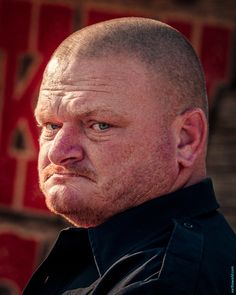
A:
[66, 148]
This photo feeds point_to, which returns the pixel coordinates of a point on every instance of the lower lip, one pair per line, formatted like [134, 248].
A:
[63, 177]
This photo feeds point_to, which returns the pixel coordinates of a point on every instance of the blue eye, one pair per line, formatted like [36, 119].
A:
[49, 130]
[52, 126]
[101, 126]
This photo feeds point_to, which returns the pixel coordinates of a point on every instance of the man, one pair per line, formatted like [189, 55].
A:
[123, 112]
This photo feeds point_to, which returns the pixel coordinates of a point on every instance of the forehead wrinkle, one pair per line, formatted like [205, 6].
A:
[61, 92]
[50, 98]
[71, 108]
[59, 98]
[43, 110]
[74, 81]
[77, 85]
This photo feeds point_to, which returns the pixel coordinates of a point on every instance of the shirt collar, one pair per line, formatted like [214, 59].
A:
[121, 233]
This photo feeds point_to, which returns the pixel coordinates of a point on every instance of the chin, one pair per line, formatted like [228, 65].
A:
[84, 220]
[71, 204]
[83, 217]
[61, 198]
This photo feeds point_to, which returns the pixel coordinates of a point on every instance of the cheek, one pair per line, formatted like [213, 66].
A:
[111, 154]
[43, 160]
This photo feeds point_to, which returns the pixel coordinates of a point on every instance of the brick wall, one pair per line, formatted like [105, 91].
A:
[29, 32]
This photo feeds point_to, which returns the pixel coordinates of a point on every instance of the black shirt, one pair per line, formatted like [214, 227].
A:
[174, 244]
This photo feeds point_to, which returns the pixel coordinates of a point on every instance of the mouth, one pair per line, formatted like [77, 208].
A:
[63, 176]
[62, 173]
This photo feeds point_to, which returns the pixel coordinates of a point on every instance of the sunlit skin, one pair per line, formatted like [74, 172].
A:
[105, 145]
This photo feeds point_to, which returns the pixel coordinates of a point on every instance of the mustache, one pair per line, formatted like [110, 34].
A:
[52, 169]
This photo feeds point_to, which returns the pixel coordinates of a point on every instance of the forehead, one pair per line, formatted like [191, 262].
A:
[114, 81]
[116, 68]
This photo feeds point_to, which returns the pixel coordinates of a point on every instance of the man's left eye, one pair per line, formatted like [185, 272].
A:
[101, 126]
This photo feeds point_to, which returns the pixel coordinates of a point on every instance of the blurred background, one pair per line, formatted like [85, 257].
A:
[29, 32]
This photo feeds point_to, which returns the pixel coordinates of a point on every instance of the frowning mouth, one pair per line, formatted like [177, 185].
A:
[58, 172]
[66, 175]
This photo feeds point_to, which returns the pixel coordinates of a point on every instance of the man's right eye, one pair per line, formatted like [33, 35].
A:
[52, 126]
[49, 130]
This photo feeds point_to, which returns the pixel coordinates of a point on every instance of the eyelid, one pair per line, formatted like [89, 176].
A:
[100, 123]
[47, 131]
[51, 123]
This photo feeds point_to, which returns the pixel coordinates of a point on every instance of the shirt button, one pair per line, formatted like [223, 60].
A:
[46, 280]
[188, 225]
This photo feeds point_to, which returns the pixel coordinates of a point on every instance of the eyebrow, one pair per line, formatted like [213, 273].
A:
[83, 114]
[96, 112]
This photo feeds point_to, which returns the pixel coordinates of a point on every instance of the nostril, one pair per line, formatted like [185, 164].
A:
[69, 160]
[61, 154]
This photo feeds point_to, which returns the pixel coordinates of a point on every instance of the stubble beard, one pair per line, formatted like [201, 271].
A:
[143, 182]
[112, 198]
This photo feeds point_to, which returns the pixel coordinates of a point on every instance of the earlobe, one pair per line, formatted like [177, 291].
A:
[192, 134]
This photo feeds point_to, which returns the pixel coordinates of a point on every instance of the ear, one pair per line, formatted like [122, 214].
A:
[191, 136]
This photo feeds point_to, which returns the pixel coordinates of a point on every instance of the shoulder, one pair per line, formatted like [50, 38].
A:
[219, 238]
[200, 258]
[218, 256]
[204, 251]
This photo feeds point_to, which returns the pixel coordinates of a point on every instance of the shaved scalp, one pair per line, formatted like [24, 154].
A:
[165, 52]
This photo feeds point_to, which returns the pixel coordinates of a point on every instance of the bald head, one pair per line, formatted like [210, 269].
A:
[165, 52]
